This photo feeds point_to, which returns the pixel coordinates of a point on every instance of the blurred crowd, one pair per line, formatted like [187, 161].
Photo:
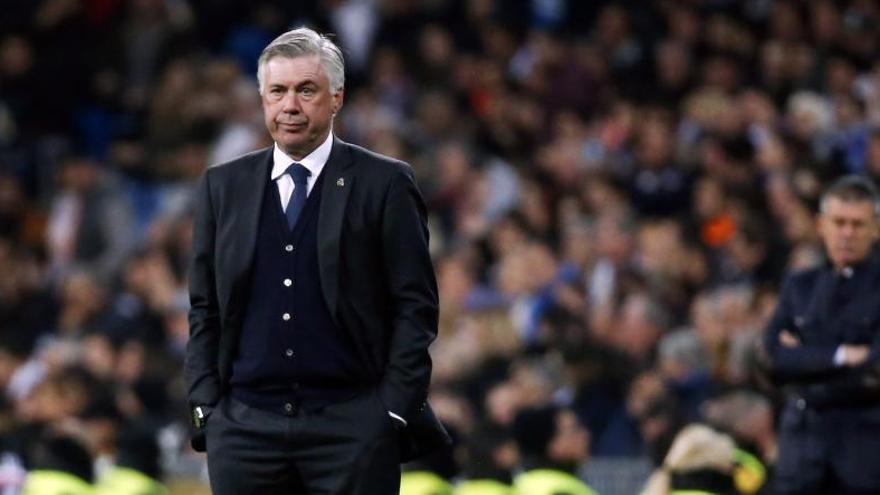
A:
[615, 190]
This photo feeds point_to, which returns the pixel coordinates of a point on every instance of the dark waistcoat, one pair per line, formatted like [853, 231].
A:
[290, 354]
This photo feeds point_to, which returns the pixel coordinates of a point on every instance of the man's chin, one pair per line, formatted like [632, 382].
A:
[848, 259]
[296, 148]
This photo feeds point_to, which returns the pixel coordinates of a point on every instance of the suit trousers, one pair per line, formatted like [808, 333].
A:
[826, 453]
[346, 448]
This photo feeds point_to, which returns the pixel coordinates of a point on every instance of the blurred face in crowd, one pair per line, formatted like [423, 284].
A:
[79, 174]
[848, 230]
[298, 103]
[873, 155]
[572, 441]
[502, 403]
[654, 149]
[673, 64]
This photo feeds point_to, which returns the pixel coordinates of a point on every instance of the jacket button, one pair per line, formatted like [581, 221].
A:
[288, 248]
[285, 316]
[288, 282]
[288, 353]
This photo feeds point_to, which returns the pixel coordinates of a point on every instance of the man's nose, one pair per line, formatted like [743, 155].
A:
[290, 102]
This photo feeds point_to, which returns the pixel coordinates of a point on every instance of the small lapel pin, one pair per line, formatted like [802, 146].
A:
[340, 182]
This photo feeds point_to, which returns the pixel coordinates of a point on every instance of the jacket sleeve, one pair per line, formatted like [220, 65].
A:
[852, 387]
[413, 296]
[202, 378]
[804, 363]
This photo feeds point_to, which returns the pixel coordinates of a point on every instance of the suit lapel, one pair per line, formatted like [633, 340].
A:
[250, 187]
[338, 182]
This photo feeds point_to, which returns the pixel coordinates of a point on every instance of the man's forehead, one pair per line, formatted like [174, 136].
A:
[301, 67]
[849, 207]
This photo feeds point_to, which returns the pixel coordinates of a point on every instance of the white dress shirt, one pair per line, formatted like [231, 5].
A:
[314, 162]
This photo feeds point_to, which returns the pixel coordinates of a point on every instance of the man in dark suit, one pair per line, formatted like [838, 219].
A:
[313, 298]
[823, 345]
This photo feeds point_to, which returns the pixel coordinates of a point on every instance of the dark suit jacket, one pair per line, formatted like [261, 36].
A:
[832, 413]
[825, 310]
[376, 277]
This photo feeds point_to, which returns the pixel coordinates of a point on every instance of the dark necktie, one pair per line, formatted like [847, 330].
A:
[300, 176]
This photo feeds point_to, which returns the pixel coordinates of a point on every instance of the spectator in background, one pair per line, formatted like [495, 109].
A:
[655, 409]
[660, 187]
[83, 299]
[682, 362]
[823, 343]
[699, 460]
[748, 418]
[16, 369]
[90, 222]
[872, 155]
[61, 466]
[553, 444]
[431, 474]
[136, 470]
[491, 456]
[642, 321]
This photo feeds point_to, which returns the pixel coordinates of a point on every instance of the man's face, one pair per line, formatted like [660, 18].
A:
[848, 230]
[298, 103]
[571, 444]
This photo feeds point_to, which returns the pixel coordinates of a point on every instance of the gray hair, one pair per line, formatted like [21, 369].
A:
[682, 346]
[304, 42]
[852, 188]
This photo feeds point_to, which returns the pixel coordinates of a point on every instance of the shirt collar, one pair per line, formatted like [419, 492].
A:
[849, 271]
[314, 161]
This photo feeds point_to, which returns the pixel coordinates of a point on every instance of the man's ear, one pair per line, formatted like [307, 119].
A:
[338, 98]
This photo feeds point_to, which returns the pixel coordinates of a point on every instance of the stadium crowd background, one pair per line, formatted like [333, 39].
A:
[615, 191]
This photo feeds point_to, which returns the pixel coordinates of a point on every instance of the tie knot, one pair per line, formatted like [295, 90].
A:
[298, 173]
